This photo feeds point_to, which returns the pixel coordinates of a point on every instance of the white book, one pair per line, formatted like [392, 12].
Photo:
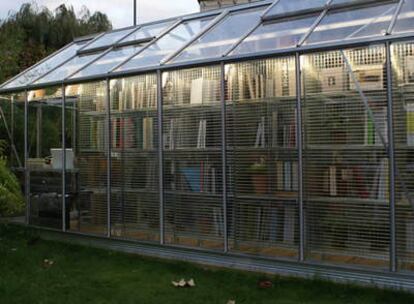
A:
[148, 133]
[197, 86]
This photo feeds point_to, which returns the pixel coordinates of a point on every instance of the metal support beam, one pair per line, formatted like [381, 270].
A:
[392, 174]
[64, 228]
[299, 139]
[160, 156]
[109, 160]
[394, 17]
[26, 157]
[224, 153]
[135, 13]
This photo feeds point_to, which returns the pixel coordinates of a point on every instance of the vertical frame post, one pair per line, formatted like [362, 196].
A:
[108, 158]
[64, 228]
[223, 152]
[160, 156]
[26, 156]
[392, 171]
[299, 139]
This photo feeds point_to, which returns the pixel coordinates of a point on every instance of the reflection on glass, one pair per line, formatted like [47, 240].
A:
[289, 6]
[405, 19]
[169, 43]
[68, 68]
[219, 39]
[147, 31]
[272, 36]
[109, 39]
[356, 23]
[46, 66]
[109, 61]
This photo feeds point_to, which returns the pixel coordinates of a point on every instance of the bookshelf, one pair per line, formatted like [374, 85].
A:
[86, 136]
[134, 158]
[403, 100]
[346, 167]
[192, 157]
[262, 156]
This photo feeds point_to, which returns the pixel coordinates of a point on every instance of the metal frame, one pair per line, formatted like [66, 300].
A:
[299, 139]
[64, 228]
[392, 162]
[26, 157]
[224, 154]
[297, 13]
[160, 156]
[109, 158]
[395, 17]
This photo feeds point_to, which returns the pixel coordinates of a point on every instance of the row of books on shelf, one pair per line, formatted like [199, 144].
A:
[196, 177]
[126, 133]
[135, 96]
[283, 132]
[368, 182]
[287, 176]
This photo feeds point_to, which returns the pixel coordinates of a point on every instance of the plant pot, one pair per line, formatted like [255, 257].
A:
[260, 183]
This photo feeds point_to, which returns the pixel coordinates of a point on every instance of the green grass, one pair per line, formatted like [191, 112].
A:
[88, 275]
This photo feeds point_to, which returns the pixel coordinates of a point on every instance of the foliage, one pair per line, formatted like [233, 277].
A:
[11, 198]
[33, 32]
[87, 275]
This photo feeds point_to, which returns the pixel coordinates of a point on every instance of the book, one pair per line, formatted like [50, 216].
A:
[148, 133]
[202, 129]
[260, 134]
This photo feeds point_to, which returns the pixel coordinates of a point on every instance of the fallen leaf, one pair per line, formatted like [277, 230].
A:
[191, 283]
[14, 249]
[264, 284]
[231, 302]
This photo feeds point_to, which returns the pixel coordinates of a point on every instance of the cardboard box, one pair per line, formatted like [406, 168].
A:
[369, 77]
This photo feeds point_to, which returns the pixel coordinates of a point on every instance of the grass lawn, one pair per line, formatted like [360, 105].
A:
[86, 275]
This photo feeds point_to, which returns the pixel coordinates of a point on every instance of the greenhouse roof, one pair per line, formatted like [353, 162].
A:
[243, 31]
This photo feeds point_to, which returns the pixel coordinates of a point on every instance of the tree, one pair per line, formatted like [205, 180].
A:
[34, 32]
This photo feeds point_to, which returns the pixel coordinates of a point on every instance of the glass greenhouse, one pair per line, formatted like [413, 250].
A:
[277, 131]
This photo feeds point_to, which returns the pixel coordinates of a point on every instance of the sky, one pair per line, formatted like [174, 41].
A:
[120, 12]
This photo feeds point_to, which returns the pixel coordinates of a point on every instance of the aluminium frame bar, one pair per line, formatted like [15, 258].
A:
[395, 17]
[210, 26]
[224, 153]
[63, 113]
[392, 162]
[299, 141]
[26, 157]
[313, 27]
[160, 157]
[108, 157]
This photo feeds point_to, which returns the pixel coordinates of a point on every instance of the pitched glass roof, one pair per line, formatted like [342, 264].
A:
[167, 44]
[276, 35]
[222, 36]
[285, 7]
[244, 30]
[355, 23]
[117, 55]
[108, 39]
[405, 19]
[43, 67]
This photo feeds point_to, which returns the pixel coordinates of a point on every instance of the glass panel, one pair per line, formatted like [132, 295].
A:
[68, 68]
[337, 2]
[169, 43]
[108, 61]
[147, 31]
[220, 38]
[135, 175]
[12, 137]
[289, 6]
[262, 157]
[405, 19]
[356, 23]
[86, 157]
[192, 158]
[44, 162]
[46, 66]
[109, 39]
[346, 193]
[274, 36]
[403, 108]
